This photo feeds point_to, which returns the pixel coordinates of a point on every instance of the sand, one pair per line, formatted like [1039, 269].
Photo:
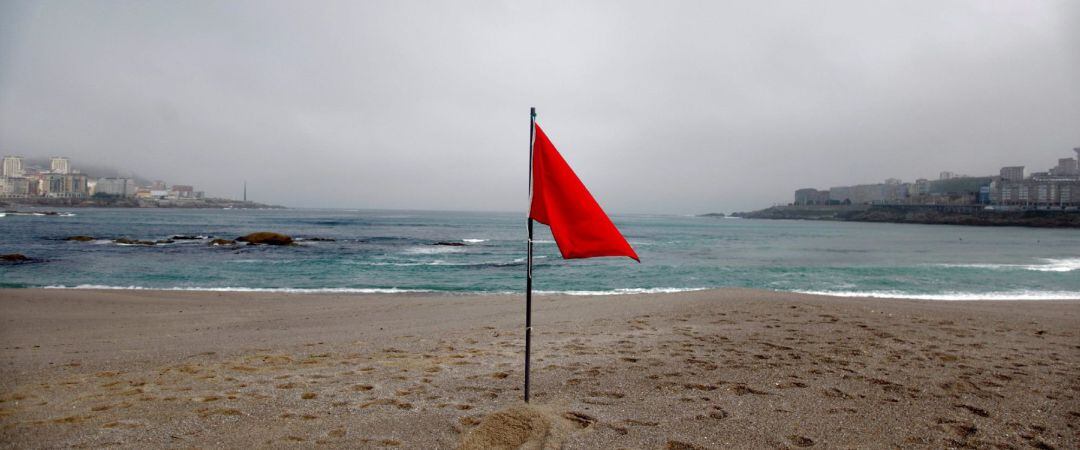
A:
[711, 369]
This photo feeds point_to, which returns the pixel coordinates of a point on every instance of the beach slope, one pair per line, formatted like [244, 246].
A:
[710, 369]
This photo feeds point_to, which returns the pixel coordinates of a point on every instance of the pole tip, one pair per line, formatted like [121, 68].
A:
[532, 110]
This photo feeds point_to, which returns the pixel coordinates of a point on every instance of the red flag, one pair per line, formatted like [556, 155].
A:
[561, 201]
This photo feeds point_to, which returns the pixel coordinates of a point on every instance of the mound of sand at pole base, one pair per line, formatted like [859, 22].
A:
[524, 427]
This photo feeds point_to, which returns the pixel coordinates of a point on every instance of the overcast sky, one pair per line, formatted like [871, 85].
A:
[661, 107]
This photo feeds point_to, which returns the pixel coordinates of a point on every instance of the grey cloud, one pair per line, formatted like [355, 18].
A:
[675, 107]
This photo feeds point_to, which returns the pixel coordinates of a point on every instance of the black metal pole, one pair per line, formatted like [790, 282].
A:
[529, 258]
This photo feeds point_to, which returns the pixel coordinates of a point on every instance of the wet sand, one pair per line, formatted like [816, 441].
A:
[711, 369]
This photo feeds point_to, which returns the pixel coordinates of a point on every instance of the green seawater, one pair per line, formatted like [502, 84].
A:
[394, 251]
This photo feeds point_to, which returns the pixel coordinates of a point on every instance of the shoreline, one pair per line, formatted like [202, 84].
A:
[1022, 296]
[713, 369]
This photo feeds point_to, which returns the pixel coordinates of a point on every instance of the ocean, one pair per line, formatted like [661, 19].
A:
[394, 251]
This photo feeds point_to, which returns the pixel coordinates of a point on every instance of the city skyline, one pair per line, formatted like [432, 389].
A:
[1012, 185]
[61, 180]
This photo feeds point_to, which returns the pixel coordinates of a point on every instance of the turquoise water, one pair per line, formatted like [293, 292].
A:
[392, 251]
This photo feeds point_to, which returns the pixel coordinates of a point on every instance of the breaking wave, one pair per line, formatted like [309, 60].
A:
[432, 250]
[244, 289]
[1010, 295]
[623, 291]
[1049, 265]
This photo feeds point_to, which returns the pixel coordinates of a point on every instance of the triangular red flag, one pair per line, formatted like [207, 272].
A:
[561, 201]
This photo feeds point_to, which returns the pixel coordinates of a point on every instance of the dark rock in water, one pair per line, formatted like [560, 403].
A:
[449, 244]
[184, 237]
[713, 215]
[164, 241]
[126, 241]
[79, 238]
[266, 237]
[14, 257]
[320, 239]
[222, 242]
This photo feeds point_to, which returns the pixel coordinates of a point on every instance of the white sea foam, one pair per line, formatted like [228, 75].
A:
[243, 289]
[1057, 265]
[1008, 295]
[261, 261]
[473, 241]
[433, 250]
[623, 291]
[437, 262]
[521, 260]
[1049, 265]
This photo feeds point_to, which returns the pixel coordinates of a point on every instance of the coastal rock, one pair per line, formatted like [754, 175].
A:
[219, 241]
[449, 244]
[185, 237]
[267, 238]
[923, 214]
[126, 241]
[320, 239]
[14, 257]
[79, 238]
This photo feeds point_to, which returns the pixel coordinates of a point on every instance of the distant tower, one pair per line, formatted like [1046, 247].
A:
[1012, 173]
[245, 191]
[59, 164]
[13, 166]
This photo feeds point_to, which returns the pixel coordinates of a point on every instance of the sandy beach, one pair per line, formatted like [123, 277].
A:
[709, 369]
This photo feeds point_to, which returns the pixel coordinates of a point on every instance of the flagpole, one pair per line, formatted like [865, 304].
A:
[529, 257]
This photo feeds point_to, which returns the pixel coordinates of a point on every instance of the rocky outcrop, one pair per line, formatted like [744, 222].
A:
[449, 244]
[217, 242]
[126, 241]
[14, 258]
[1028, 218]
[931, 215]
[79, 238]
[266, 238]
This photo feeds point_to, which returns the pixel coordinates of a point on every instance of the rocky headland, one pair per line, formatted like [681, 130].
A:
[933, 214]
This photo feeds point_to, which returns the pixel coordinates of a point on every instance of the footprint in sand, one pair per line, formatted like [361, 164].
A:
[973, 409]
[742, 389]
[679, 445]
[800, 441]
[718, 414]
[582, 420]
